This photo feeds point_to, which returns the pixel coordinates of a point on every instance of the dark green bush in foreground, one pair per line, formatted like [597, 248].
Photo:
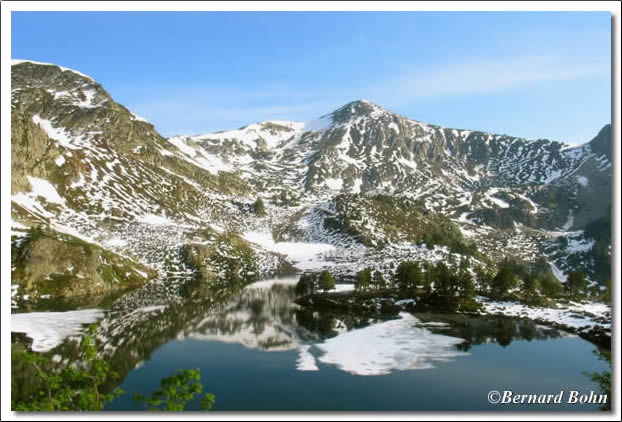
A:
[79, 386]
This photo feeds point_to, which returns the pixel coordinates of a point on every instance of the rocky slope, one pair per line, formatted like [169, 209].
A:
[371, 184]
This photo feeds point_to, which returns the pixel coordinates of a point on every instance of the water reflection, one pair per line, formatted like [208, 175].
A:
[264, 317]
[490, 329]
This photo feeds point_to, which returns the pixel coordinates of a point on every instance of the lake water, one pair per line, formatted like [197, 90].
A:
[260, 352]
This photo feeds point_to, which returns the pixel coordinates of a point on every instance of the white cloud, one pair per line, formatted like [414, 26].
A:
[485, 77]
[210, 108]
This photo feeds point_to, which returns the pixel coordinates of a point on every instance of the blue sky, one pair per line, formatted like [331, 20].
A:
[530, 74]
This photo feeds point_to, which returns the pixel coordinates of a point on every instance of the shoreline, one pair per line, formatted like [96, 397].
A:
[594, 326]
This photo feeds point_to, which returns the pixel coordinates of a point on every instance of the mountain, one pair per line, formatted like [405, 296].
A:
[371, 184]
[362, 147]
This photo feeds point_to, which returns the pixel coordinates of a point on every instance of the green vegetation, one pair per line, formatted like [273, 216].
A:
[448, 288]
[466, 286]
[76, 387]
[550, 286]
[258, 208]
[285, 198]
[362, 280]
[530, 287]
[229, 260]
[177, 390]
[603, 379]
[516, 280]
[376, 220]
[46, 262]
[533, 283]
[441, 287]
[326, 281]
[309, 283]
[80, 385]
[378, 280]
[408, 275]
[305, 285]
[600, 231]
[576, 285]
[503, 281]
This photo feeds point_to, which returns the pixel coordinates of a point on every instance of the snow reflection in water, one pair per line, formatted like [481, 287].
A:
[264, 317]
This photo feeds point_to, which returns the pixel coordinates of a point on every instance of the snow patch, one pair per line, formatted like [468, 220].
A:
[155, 220]
[182, 145]
[568, 315]
[40, 188]
[57, 134]
[318, 125]
[343, 288]
[559, 274]
[334, 184]
[64, 69]
[305, 256]
[556, 174]
[48, 329]
[139, 118]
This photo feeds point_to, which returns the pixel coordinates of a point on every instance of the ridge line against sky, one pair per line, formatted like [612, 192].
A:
[533, 75]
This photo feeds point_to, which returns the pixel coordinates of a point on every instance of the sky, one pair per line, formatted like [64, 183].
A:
[528, 74]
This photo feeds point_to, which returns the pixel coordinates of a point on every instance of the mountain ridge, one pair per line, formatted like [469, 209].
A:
[86, 166]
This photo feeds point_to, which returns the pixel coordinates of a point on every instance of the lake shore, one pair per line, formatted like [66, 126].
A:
[589, 320]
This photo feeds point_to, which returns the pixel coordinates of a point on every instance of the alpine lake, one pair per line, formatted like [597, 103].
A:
[262, 352]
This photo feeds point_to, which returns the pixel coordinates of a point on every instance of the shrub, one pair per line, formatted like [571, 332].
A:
[177, 390]
[550, 286]
[76, 387]
[259, 208]
[305, 285]
[326, 281]
[80, 386]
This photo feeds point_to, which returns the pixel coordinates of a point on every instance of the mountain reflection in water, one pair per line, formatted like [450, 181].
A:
[264, 317]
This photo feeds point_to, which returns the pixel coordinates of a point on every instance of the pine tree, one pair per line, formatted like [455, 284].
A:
[503, 281]
[530, 286]
[259, 208]
[363, 280]
[444, 280]
[305, 285]
[408, 275]
[378, 280]
[550, 286]
[326, 282]
[576, 283]
[465, 280]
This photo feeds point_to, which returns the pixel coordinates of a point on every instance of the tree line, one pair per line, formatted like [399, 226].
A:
[531, 282]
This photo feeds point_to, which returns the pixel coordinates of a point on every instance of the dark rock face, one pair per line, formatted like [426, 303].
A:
[601, 144]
